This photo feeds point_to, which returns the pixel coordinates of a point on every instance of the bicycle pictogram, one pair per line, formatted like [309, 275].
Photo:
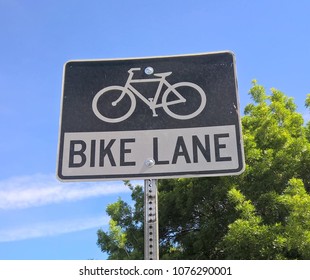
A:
[173, 95]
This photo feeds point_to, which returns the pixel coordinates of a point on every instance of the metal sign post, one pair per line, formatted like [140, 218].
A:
[151, 239]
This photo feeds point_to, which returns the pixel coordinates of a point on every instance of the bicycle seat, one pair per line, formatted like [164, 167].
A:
[162, 75]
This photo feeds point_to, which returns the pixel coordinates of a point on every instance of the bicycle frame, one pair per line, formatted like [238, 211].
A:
[173, 90]
[151, 102]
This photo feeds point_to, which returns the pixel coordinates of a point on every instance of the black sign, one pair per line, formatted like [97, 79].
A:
[155, 117]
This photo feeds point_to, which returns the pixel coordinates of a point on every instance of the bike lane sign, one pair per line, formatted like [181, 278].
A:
[153, 117]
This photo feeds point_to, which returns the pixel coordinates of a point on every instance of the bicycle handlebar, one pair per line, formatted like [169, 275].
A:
[133, 69]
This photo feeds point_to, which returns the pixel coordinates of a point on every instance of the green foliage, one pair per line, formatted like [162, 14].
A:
[193, 215]
[250, 238]
[307, 103]
[272, 196]
[263, 213]
[124, 240]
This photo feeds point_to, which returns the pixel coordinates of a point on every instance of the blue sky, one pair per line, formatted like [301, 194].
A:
[41, 218]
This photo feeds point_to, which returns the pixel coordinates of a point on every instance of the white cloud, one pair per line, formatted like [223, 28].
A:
[52, 228]
[40, 189]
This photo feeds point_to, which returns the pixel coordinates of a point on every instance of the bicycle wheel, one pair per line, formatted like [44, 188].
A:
[184, 100]
[113, 104]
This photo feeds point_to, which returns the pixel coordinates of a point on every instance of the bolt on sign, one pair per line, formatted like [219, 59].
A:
[153, 117]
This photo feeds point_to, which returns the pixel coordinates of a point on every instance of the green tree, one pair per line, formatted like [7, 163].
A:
[124, 240]
[263, 213]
